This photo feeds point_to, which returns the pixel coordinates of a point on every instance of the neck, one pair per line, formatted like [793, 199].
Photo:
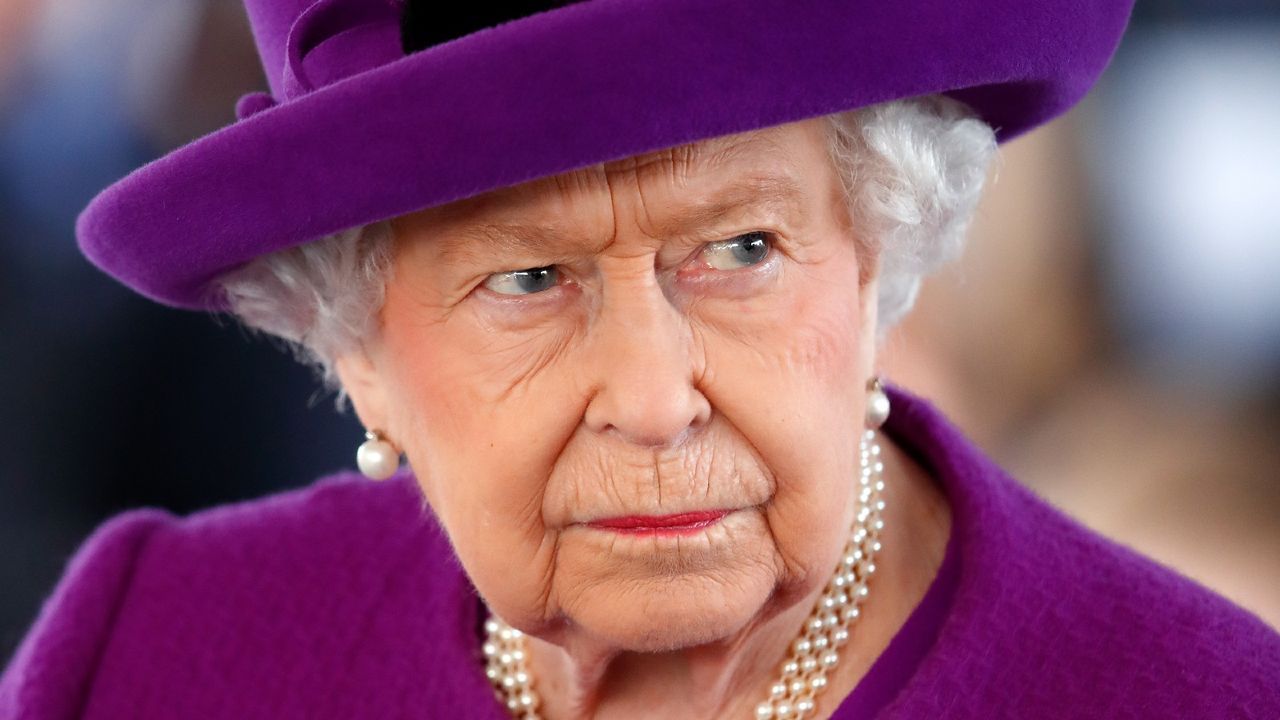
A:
[727, 679]
[722, 679]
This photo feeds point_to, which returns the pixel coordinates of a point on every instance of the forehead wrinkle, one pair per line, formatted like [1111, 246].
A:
[764, 182]
[702, 156]
[767, 193]
[517, 228]
[778, 192]
[512, 240]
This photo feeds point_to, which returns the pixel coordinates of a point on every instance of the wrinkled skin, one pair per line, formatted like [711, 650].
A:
[670, 363]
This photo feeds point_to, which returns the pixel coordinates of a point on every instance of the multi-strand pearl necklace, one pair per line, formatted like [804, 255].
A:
[813, 654]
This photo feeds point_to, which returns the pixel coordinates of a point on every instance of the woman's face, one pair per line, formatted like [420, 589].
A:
[570, 362]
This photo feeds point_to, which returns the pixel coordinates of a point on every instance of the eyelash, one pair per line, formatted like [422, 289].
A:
[770, 239]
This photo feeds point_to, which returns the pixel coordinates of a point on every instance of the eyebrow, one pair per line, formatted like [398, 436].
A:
[779, 195]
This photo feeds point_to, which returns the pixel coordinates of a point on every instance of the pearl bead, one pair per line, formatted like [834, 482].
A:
[804, 707]
[809, 664]
[790, 667]
[797, 687]
[777, 690]
[377, 459]
[782, 710]
[830, 658]
[817, 682]
[877, 408]
[764, 711]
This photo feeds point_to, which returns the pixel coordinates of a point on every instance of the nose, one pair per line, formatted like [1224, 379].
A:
[644, 368]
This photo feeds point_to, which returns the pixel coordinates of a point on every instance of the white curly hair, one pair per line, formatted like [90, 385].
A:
[912, 171]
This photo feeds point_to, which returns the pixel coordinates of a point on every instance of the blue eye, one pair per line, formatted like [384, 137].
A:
[746, 249]
[523, 282]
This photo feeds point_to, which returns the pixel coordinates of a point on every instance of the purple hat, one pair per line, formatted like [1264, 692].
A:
[355, 130]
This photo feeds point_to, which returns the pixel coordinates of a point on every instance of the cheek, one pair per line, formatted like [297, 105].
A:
[485, 420]
[792, 386]
[824, 347]
[796, 367]
[465, 396]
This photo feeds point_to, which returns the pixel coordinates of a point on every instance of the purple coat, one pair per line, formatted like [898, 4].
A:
[344, 600]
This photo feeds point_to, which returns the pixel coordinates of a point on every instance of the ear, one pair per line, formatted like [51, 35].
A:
[366, 388]
[869, 304]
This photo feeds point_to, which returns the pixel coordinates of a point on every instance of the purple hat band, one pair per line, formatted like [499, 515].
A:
[355, 131]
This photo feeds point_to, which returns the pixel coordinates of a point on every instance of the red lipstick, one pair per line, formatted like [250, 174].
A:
[678, 524]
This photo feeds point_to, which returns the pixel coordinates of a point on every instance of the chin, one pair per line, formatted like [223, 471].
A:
[662, 594]
[679, 613]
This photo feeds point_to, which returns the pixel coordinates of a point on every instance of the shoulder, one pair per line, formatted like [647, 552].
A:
[1051, 619]
[46, 676]
[1123, 635]
[303, 579]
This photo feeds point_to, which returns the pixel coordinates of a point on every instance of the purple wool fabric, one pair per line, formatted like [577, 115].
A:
[354, 131]
[344, 600]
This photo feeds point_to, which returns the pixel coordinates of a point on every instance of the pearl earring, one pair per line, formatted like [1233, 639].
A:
[376, 457]
[877, 404]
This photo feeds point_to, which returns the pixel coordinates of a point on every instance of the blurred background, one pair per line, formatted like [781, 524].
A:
[1112, 336]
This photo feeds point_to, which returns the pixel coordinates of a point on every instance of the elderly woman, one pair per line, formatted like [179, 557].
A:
[611, 278]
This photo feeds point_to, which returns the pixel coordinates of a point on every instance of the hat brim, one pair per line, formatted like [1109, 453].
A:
[568, 88]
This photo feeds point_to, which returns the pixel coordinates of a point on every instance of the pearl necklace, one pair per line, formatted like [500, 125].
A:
[813, 654]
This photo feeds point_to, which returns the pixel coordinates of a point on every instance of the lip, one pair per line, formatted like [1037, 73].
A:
[687, 523]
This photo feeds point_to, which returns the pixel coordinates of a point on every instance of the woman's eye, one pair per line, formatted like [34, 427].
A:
[746, 249]
[523, 282]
